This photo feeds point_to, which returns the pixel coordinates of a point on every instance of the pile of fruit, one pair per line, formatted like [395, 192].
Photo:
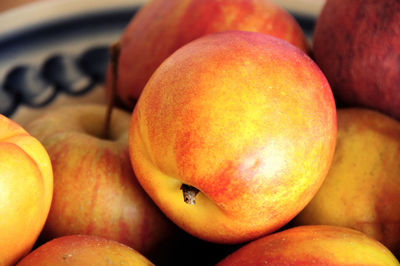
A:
[229, 139]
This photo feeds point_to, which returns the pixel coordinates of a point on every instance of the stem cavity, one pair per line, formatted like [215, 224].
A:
[189, 194]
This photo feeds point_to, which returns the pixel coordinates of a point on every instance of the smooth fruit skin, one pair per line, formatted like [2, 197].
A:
[313, 245]
[26, 189]
[84, 250]
[95, 189]
[246, 118]
[362, 188]
[357, 45]
[163, 26]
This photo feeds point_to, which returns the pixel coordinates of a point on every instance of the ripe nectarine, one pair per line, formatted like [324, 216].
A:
[245, 120]
[163, 26]
[26, 190]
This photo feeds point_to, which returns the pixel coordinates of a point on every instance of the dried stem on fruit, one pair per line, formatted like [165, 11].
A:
[114, 56]
[189, 194]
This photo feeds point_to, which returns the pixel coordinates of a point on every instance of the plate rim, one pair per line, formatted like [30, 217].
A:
[37, 14]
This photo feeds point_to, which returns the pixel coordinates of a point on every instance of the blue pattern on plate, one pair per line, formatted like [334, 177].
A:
[37, 85]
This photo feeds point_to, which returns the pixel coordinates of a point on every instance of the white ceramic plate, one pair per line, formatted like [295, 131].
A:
[309, 8]
[56, 52]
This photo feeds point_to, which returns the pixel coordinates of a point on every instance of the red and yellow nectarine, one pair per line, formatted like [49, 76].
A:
[84, 250]
[26, 190]
[95, 189]
[163, 26]
[247, 119]
[313, 245]
[362, 188]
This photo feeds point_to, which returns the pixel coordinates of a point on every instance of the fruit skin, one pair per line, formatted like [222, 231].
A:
[81, 250]
[163, 26]
[95, 190]
[313, 245]
[231, 114]
[357, 45]
[362, 188]
[26, 189]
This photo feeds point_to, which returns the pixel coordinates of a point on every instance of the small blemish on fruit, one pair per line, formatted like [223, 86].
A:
[67, 256]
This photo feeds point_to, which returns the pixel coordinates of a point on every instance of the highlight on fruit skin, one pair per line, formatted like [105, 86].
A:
[84, 250]
[313, 245]
[229, 115]
[160, 27]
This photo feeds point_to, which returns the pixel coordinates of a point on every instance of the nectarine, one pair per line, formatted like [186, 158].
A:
[362, 188]
[26, 190]
[84, 250]
[95, 189]
[244, 120]
[162, 26]
[357, 45]
[313, 245]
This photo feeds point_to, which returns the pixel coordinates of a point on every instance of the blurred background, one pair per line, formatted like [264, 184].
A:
[300, 6]
[52, 51]
[8, 4]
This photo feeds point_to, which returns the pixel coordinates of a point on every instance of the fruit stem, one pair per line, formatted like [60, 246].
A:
[189, 194]
[114, 57]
